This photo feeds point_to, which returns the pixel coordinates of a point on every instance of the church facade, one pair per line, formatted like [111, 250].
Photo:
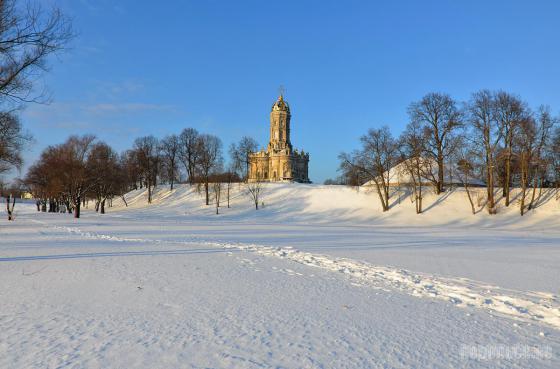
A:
[280, 162]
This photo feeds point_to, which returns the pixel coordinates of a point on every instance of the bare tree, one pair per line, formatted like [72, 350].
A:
[486, 133]
[230, 176]
[466, 170]
[555, 160]
[239, 153]
[147, 156]
[217, 187]
[218, 181]
[526, 140]
[12, 141]
[105, 172]
[412, 146]
[124, 181]
[63, 168]
[439, 116]
[10, 205]
[10, 194]
[28, 36]
[131, 170]
[510, 111]
[76, 150]
[543, 133]
[69, 174]
[39, 180]
[189, 151]
[374, 161]
[170, 147]
[209, 160]
[350, 175]
[254, 190]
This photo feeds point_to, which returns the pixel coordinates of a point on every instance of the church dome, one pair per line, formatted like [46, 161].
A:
[281, 105]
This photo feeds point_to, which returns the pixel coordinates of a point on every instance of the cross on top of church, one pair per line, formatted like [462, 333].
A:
[281, 90]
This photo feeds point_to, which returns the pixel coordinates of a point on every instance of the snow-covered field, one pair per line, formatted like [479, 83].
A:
[317, 278]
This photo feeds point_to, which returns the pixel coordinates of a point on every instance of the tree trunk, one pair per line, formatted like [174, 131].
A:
[228, 186]
[246, 169]
[10, 210]
[532, 202]
[102, 208]
[206, 191]
[415, 195]
[490, 186]
[77, 207]
[507, 179]
[522, 201]
[382, 195]
[419, 201]
[470, 198]
[440, 174]
[524, 177]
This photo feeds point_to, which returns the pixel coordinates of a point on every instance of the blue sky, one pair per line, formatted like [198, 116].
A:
[146, 67]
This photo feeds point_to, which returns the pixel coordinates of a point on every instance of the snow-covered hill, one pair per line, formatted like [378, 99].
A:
[342, 204]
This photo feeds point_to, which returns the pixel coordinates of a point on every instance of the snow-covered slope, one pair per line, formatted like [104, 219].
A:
[341, 204]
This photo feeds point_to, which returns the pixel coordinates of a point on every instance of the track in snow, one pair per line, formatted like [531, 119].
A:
[526, 306]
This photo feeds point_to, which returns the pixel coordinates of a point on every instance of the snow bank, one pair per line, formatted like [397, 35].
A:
[341, 204]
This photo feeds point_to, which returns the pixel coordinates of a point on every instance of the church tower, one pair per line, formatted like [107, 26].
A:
[280, 162]
[280, 126]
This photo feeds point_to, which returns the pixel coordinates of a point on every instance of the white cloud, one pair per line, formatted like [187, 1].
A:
[121, 108]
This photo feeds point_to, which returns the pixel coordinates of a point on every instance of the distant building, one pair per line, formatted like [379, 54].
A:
[399, 175]
[280, 162]
[26, 195]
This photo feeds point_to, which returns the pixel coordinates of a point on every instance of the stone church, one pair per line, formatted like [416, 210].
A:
[280, 162]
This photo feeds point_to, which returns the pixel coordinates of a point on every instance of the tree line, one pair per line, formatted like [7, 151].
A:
[83, 168]
[494, 137]
[69, 175]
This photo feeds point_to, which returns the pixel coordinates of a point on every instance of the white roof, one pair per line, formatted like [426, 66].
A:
[400, 175]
